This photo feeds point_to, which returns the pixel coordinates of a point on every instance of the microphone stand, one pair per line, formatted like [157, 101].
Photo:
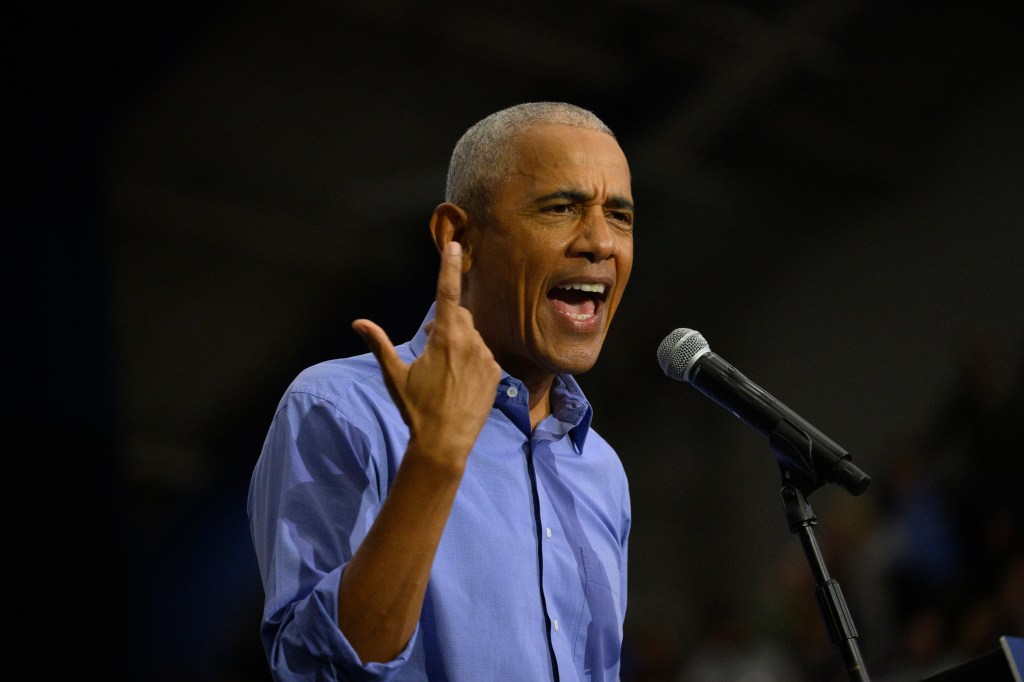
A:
[802, 475]
[841, 629]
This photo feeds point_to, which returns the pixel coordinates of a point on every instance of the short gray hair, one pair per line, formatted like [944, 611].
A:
[484, 157]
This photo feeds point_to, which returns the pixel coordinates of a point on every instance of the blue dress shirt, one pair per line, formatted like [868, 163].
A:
[529, 579]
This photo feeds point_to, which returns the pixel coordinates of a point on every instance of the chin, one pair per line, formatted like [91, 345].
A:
[575, 363]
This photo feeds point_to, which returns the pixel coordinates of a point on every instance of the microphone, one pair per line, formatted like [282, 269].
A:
[804, 453]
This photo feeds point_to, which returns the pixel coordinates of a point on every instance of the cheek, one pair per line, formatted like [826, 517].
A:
[624, 261]
[625, 266]
[510, 285]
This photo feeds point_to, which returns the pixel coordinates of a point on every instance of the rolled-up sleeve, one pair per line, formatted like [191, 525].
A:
[315, 491]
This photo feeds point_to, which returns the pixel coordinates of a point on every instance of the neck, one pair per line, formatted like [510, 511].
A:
[540, 406]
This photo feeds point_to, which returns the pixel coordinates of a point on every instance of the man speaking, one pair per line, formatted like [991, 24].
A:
[442, 509]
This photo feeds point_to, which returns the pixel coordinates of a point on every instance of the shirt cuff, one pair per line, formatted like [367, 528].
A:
[346, 661]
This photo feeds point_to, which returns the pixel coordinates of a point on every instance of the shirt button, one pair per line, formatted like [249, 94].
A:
[549, 533]
[556, 625]
[512, 391]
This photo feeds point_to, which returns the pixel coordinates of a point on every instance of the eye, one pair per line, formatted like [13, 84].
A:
[561, 208]
[621, 217]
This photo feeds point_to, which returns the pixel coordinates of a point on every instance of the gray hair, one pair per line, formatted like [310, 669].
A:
[484, 156]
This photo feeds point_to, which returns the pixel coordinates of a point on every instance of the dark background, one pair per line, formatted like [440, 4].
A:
[206, 194]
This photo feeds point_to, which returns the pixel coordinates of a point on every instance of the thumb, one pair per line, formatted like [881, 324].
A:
[382, 348]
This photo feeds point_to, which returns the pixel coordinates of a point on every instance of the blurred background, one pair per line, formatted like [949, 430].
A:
[830, 191]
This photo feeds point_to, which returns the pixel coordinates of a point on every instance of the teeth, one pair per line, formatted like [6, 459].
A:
[583, 286]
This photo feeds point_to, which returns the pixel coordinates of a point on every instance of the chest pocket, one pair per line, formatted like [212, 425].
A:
[597, 632]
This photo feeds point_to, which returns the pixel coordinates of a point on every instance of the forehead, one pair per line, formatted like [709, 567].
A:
[553, 155]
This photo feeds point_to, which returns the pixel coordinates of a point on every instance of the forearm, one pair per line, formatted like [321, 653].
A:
[382, 589]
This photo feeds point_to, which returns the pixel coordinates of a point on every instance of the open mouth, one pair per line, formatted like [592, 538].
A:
[579, 301]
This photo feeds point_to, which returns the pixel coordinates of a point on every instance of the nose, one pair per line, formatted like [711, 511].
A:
[594, 238]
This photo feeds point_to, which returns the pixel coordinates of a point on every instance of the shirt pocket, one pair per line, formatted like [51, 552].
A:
[598, 641]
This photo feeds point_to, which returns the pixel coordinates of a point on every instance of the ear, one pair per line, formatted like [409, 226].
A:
[450, 222]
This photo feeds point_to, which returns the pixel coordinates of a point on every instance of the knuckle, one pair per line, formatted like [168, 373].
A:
[448, 291]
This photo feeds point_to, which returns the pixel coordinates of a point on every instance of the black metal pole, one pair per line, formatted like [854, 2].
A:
[837, 617]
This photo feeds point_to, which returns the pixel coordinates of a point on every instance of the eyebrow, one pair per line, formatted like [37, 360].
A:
[579, 197]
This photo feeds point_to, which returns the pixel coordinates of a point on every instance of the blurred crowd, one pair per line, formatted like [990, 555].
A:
[931, 562]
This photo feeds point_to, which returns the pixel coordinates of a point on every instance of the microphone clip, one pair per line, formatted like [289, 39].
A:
[808, 468]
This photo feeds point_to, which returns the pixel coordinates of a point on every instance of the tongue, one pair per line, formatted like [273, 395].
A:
[572, 302]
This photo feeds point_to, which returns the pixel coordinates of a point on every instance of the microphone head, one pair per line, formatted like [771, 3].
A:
[679, 352]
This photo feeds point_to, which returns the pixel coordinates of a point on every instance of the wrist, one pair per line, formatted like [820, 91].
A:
[434, 461]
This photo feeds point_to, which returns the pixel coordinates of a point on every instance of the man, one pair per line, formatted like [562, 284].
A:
[442, 509]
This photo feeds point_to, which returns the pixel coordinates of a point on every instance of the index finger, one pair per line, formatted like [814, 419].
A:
[449, 280]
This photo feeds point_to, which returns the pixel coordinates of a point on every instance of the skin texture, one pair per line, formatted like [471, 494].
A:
[565, 216]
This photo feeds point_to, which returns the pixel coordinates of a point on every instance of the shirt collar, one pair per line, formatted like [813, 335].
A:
[568, 404]
[419, 341]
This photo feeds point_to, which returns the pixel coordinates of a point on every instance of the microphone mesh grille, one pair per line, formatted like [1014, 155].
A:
[678, 350]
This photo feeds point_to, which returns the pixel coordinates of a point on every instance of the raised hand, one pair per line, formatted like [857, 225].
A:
[445, 395]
